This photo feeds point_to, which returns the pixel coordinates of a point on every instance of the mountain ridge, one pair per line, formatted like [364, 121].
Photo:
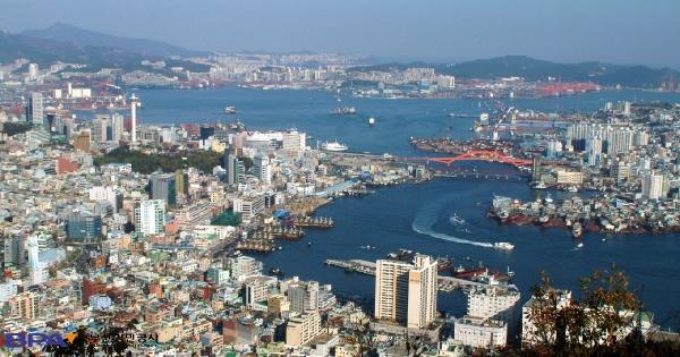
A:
[68, 33]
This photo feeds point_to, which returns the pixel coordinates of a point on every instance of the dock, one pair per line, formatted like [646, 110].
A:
[445, 283]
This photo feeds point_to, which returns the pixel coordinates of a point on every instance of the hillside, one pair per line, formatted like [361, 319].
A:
[75, 35]
[534, 69]
[46, 52]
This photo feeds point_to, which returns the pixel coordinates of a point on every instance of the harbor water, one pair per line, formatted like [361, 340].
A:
[416, 216]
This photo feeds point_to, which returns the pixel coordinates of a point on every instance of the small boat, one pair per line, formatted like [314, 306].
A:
[280, 248]
[309, 244]
[579, 245]
[344, 111]
[230, 109]
[276, 271]
[503, 246]
[572, 189]
[456, 220]
[371, 121]
[577, 230]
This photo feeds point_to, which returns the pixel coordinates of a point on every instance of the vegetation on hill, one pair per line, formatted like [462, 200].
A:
[146, 164]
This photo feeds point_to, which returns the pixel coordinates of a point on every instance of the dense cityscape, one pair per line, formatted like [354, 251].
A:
[133, 226]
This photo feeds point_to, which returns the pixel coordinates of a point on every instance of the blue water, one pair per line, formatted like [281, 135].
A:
[417, 216]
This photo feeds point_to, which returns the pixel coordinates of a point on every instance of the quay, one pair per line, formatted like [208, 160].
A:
[445, 283]
[482, 176]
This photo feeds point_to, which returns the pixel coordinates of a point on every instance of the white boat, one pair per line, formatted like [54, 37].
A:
[230, 109]
[456, 220]
[333, 146]
[504, 246]
[371, 121]
[572, 189]
[579, 245]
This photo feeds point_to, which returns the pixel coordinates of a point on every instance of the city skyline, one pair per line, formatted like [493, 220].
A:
[607, 31]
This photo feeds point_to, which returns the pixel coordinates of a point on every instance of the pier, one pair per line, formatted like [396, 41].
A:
[444, 283]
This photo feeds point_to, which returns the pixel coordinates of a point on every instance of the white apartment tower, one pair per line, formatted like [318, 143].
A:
[150, 216]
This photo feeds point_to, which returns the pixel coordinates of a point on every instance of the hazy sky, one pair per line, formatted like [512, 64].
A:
[620, 31]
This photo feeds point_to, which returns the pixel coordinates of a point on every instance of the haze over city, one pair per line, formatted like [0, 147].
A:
[622, 32]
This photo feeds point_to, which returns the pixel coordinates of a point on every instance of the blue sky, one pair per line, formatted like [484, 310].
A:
[619, 31]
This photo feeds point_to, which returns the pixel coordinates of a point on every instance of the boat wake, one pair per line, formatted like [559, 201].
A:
[427, 216]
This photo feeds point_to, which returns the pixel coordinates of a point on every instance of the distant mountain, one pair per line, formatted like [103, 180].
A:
[533, 69]
[78, 36]
[46, 52]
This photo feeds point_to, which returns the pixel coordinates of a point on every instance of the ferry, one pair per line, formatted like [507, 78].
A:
[230, 109]
[334, 146]
[344, 111]
[503, 246]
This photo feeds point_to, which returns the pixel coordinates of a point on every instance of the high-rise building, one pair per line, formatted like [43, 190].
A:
[163, 187]
[34, 109]
[294, 142]
[83, 226]
[134, 102]
[262, 169]
[594, 150]
[38, 272]
[181, 182]
[536, 169]
[82, 141]
[303, 296]
[620, 171]
[150, 216]
[236, 169]
[652, 186]
[406, 292]
[14, 251]
[102, 125]
[33, 71]
[117, 126]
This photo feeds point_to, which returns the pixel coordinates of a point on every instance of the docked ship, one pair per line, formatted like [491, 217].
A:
[230, 109]
[334, 146]
[577, 230]
[503, 246]
[344, 111]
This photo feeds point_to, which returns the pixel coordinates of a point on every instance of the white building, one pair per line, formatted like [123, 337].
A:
[480, 333]
[150, 216]
[248, 207]
[294, 142]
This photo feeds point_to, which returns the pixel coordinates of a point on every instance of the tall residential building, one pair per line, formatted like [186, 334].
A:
[405, 292]
[491, 317]
[102, 125]
[594, 150]
[150, 216]
[181, 182]
[163, 187]
[34, 109]
[243, 266]
[117, 127]
[652, 186]
[236, 169]
[24, 306]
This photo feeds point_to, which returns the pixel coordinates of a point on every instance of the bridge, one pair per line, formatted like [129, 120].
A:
[476, 155]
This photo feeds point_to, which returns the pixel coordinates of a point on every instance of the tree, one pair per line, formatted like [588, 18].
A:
[604, 317]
